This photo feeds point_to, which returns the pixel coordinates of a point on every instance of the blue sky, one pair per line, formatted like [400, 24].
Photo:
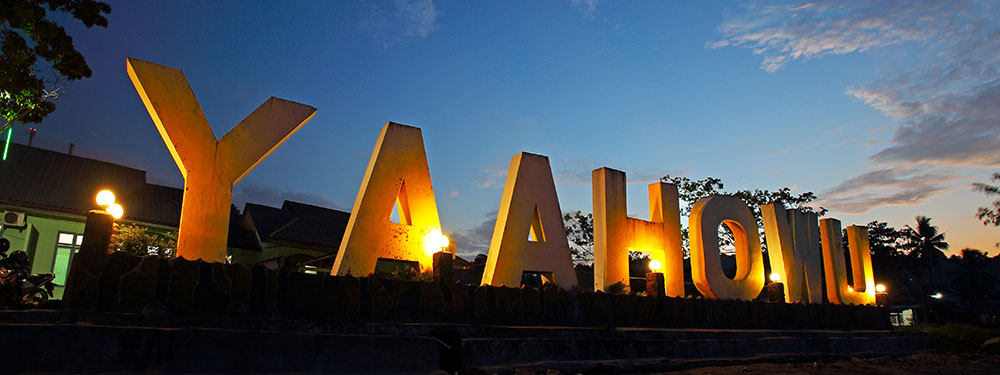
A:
[886, 111]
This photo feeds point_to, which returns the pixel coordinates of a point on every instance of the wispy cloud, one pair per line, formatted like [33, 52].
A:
[587, 7]
[400, 21]
[494, 177]
[943, 101]
[476, 240]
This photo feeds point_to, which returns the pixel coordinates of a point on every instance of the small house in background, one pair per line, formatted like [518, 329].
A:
[45, 196]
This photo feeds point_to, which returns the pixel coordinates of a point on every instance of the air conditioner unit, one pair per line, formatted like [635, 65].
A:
[13, 219]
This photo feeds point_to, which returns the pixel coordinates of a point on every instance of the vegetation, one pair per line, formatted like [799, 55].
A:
[25, 96]
[956, 338]
[136, 240]
[989, 215]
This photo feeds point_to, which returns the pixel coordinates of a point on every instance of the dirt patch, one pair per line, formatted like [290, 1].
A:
[918, 364]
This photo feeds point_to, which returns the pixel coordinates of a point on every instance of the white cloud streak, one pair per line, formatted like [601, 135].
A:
[944, 99]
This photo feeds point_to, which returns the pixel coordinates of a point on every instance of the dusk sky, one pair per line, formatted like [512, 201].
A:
[886, 110]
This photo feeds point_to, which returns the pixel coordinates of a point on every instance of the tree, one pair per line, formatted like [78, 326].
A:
[580, 232]
[924, 243]
[972, 278]
[690, 191]
[986, 214]
[25, 96]
[884, 240]
[136, 240]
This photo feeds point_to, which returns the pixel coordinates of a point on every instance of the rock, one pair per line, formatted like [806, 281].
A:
[485, 303]
[208, 295]
[183, 279]
[383, 305]
[240, 286]
[137, 290]
[263, 289]
[303, 288]
[118, 264]
[431, 302]
[991, 346]
[531, 305]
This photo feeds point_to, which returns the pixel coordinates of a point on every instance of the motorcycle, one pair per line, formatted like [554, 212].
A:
[17, 287]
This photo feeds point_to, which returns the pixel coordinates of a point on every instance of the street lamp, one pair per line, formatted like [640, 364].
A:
[655, 284]
[775, 289]
[106, 199]
[880, 294]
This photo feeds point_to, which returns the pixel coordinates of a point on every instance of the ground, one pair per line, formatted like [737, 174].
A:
[911, 365]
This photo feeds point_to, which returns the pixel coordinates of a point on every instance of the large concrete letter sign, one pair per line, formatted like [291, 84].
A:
[615, 234]
[706, 267]
[529, 234]
[837, 288]
[210, 167]
[793, 246]
[397, 176]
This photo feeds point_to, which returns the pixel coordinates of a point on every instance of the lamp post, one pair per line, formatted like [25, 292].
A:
[880, 295]
[654, 280]
[86, 266]
[442, 260]
[775, 289]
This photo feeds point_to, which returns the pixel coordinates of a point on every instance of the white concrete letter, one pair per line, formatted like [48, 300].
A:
[529, 207]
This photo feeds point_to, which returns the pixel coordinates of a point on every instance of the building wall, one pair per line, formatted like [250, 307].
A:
[38, 239]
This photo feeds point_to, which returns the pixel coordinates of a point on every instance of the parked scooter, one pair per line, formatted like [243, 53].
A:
[17, 288]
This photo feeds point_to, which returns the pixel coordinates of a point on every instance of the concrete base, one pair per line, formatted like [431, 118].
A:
[111, 342]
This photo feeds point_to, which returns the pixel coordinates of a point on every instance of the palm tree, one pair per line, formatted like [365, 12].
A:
[926, 246]
[924, 242]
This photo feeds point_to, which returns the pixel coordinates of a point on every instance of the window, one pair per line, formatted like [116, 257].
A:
[67, 245]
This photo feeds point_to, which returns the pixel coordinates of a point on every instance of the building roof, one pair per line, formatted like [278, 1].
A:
[49, 180]
[44, 179]
[297, 223]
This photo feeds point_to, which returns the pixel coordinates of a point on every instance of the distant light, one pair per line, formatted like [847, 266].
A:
[6, 145]
[435, 241]
[105, 198]
[775, 277]
[116, 210]
[880, 288]
[654, 265]
[937, 295]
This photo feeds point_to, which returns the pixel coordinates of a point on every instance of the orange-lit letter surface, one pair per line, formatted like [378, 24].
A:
[706, 267]
[529, 233]
[210, 167]
[397, 176]
[837, 288]
[615, 234]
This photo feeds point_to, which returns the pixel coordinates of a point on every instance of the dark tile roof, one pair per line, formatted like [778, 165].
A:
[297, 223]
[39, 178]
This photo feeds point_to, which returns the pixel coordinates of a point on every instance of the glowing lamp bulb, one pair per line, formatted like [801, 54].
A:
[880, 288]
[654, 265]
[105, 198]
[775, 277]
[937, 296]
[116, 210]
[435, 241]
[850, 289]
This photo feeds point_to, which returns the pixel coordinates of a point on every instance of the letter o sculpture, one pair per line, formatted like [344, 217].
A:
[706, 267]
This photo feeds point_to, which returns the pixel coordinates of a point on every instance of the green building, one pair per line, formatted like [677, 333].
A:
[45, 195]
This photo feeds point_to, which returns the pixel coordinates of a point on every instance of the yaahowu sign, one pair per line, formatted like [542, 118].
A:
[528, 235]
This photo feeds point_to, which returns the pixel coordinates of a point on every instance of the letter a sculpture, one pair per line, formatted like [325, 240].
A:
[398, 176]
[210, 167]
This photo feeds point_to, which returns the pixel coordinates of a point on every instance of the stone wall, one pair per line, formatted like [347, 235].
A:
[153, 285]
